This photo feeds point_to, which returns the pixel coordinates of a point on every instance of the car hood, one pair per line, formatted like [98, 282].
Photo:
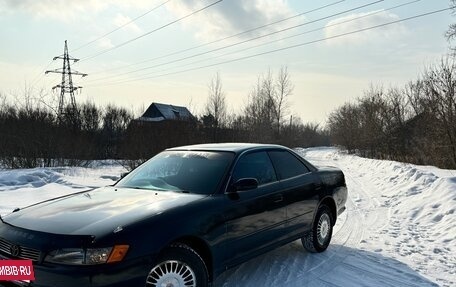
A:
[97, 212]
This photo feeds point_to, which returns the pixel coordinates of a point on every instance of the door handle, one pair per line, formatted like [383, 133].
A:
[278, 198]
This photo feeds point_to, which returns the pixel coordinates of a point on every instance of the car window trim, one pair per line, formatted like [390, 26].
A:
[293, 177]
[309, 166]
[270, 161]
[293, 154]
[230, 174]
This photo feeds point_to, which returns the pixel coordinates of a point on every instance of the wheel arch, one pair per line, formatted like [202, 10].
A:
[329, 201]
[200, 247]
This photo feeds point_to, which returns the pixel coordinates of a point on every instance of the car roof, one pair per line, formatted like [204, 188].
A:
[231, 147]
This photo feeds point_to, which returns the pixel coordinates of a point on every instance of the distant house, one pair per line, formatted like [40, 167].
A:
[163, 112]
[160, 127]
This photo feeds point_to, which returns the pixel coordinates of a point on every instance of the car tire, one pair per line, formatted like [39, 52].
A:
[178, 265]
[317, 240]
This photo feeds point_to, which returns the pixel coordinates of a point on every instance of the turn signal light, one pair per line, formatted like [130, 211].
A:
[118, 253]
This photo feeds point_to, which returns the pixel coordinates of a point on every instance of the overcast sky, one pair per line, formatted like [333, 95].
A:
[171, 65]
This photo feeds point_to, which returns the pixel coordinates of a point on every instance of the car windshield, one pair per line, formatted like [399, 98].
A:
[182, 171]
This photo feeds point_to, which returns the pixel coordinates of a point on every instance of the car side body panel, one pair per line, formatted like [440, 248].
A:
[302, 197]
[254, 218]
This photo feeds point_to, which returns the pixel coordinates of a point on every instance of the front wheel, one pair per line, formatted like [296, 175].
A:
[178, 266]
[317, 240]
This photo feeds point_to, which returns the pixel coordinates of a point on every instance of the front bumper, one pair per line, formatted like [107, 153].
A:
[129, 272]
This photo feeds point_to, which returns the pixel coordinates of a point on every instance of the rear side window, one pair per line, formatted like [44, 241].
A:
[255, 165]
[286, 164]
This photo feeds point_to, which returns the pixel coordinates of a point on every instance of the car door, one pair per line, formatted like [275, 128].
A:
[255, 218]
[300, 188]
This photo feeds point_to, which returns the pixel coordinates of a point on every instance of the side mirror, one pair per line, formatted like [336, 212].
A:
[245, 184]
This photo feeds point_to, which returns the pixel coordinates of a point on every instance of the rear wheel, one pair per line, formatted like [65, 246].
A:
[317, 240]
[178, 266]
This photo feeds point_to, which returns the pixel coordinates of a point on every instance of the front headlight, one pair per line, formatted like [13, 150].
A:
[88, 256]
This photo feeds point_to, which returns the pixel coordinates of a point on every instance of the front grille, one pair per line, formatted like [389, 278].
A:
[23, 253]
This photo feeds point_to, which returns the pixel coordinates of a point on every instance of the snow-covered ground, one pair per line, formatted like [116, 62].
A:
[22, 187]
[399, 228]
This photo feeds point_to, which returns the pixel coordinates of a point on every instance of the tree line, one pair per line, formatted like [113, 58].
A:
[415, 123]
[32, 135]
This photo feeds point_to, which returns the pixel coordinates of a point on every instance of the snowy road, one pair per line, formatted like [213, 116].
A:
[399, 228]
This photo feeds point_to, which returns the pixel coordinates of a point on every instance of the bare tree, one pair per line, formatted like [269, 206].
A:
[284, 88]
[91, 117]
[345, 126]
[114, 123]
[215, 117]
[440, 86]
[216, 104]
[268, 96]
[414, 92]
[267, 105]
[398, 107]
[451, 32]
[259, 111]
[3, 102]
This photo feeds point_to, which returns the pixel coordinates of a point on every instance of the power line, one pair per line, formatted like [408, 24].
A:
[150, 32]
[288, 47]
[244, 41]
[370, 14]
[231, 36]
[292, 36]
[40, 74]
[120, 27]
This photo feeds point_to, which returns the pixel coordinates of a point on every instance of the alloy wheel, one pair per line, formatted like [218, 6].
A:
[171, 273]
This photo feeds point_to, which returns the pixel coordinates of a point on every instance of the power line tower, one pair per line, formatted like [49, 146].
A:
[66, 86]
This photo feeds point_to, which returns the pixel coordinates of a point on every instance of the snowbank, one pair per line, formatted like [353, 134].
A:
[416, 206]
[22, 187]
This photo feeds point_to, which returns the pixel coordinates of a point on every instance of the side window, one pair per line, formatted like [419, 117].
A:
[287, 165]
[256, 165]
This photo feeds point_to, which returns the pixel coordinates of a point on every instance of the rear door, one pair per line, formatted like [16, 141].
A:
[300, 189]
[255, 218]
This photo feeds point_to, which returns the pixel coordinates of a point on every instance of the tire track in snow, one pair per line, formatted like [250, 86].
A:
[350, 234]
[376, 217]
[373, 215]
